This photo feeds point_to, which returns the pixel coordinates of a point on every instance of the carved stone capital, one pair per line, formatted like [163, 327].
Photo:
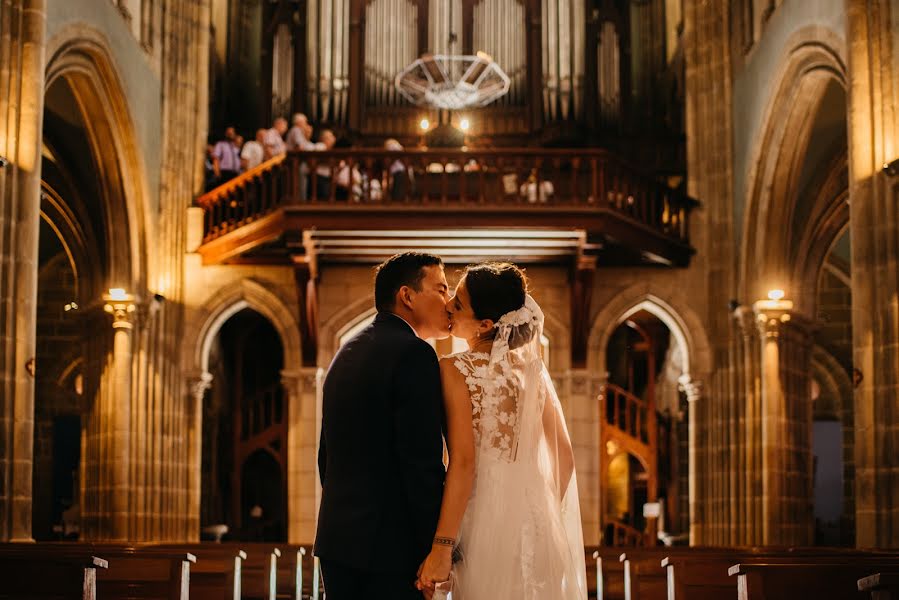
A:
[123, 310]
[691, 387]
[770, 315]
[199, 384]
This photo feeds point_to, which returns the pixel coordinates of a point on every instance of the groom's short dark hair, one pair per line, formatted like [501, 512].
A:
[399, 270]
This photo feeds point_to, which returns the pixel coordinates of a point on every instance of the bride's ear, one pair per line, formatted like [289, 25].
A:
[485, 326]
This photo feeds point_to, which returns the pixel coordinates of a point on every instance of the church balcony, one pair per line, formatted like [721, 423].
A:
[529, 205]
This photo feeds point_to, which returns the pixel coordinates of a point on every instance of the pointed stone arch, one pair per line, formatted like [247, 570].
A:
[814, 61]
[82, 57]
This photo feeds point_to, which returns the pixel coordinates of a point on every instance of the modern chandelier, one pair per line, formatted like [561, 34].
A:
[453, 82]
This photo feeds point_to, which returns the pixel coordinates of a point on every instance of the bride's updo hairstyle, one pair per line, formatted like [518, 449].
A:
[495, 288]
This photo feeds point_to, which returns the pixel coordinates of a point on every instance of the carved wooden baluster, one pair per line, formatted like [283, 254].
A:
[423, 159]
[575, 168]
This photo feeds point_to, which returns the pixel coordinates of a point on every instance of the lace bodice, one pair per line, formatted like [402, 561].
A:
[494, 405]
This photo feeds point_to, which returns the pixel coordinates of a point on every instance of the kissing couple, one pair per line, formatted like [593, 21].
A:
[501, 520]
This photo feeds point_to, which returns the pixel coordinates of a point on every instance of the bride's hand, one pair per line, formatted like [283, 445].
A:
[436, 567]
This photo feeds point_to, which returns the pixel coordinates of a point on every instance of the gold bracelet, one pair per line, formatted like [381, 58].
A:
[444, 541]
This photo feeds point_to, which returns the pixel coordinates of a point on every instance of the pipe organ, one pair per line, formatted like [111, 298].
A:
[328, 60]
[498, 28]
[391, 43]
[578, 69]
[563, 59]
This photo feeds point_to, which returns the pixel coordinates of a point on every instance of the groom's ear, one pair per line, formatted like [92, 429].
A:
[404, 297]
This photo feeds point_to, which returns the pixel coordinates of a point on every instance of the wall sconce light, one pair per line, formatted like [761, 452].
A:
[891, 168]
[3, 161]
[424, 124]
[464, 125]
[70, 306]
[117, 295]
[776, 295]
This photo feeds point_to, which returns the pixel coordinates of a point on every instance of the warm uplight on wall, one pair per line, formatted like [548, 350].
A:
[464, 125]
[117, 295]
[776, 295]
[424, 124]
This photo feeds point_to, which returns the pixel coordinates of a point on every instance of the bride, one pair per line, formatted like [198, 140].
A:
[520, 534]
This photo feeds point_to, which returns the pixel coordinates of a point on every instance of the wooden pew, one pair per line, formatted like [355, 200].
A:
[822, 580]
[881, 586]
[707, 578]
[217, 573]
[54, 578]
[133, 571]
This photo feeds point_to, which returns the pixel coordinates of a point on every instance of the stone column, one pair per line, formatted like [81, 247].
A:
[693, 389]
[708, 99]
[873, 130]
[301, 387]
[22, 49]
[115, 416]
[785, 425]
[579, 397]
[197, 386]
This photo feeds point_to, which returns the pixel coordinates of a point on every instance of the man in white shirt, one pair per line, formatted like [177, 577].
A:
[253, 152]
[226, 157]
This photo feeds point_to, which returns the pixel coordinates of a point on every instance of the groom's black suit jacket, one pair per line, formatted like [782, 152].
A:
[381, 453]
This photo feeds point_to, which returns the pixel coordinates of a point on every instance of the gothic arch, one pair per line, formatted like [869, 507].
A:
[339, 323]
[683, 323]
[82, 57]
[813, 62]
[247, 293]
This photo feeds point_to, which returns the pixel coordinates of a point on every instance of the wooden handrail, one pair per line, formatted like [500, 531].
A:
[545, 179]
[623, 535]
[626, 411]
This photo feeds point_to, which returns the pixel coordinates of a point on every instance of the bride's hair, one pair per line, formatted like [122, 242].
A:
[495, 288]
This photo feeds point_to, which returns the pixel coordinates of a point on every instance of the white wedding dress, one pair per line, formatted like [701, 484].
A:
[521, 535]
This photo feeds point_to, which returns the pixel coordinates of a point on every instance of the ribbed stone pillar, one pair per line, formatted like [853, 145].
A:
[579, 396]
[786, 425]
[197, 387]
[301, 387]
[22, 25]
[874, 228]
[693, 389]
[708, 113]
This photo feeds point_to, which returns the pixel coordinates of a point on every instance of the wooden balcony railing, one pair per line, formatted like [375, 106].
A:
[539, 178]
[621, 534]
[626, 412]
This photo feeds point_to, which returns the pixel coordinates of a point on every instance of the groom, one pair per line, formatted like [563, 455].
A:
[381, 456]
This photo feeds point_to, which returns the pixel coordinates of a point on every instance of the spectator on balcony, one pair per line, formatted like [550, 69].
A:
[226, 157]
[299, 136]
[253, 152]
[347, 182]
[400, 179]
[209, 169]
[274, 139]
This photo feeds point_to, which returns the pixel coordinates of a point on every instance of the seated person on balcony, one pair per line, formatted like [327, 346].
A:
[535, 192]
[252, 154]
[274, 139]
[399, 179]
[226, 157]
[347, 182]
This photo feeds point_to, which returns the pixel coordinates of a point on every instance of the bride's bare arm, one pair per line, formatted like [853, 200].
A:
[557, 437]
[459, 474]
